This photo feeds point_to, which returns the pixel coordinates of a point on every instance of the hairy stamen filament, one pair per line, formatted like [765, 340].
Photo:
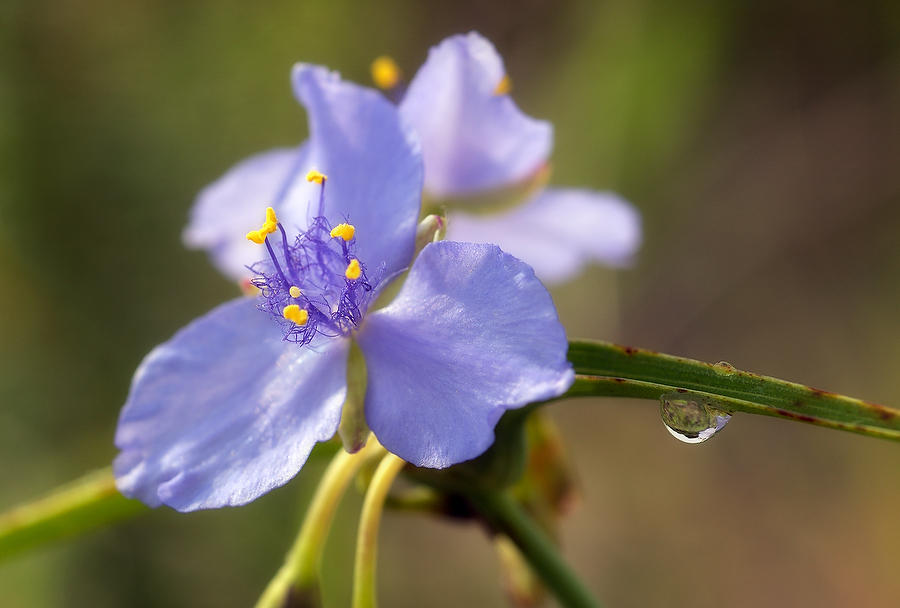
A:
[320, 287]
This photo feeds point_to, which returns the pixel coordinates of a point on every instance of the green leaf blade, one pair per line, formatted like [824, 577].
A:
[647, 374]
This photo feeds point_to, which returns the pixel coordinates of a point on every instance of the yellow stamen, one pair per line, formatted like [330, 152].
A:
[257, 236]
[385, 72]
[294, 313]
[354, 271]
[315, 176]
[268, 227]
[345, 231]
[295, 292]
[504, 86]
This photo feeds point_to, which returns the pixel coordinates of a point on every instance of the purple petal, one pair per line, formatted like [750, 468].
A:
[373, 164]
[226, 411]
[234, 204]
[471, 334]
[559, 231]
[472, 138]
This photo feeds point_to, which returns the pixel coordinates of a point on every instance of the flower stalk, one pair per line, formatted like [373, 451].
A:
[299, 575]
[364, 591]
[505, 516]
[76, 507]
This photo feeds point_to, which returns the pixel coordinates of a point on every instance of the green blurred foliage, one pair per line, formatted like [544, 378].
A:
[759, 139]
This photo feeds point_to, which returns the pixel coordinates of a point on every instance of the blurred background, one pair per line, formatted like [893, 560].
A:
[760, 140]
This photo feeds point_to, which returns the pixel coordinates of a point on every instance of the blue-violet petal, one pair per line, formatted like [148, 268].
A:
[226, 411]
[559, 231]
[471, 334]
[230, 206]
[373, 164]
[473, 136]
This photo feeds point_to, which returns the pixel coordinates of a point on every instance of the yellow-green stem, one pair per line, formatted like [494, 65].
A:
[81, 505]
[300, 573]
[364, 595]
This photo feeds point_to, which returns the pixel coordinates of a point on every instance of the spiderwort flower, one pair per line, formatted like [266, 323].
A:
[475, 140]
[231, 406]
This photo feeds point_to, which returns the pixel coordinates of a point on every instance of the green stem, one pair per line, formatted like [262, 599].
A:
[611, 370]
[364, 592]
[76, 507]
[416, 500]
[298, 578]
[506, 516]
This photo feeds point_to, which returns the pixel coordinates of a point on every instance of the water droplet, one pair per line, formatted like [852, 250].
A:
[691, 418]
[724, 367]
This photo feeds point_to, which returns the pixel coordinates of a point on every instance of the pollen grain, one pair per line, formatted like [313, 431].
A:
[345, 231]
[385, 72]
[504, 86]
[354, 270]
[268, 227]
[295, 314]
[315, 176]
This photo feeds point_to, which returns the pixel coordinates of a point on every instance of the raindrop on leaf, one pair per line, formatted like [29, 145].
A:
[724, 367]
[691, 418]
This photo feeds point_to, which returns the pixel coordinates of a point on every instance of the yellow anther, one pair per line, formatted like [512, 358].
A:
[354, 270]
[385, 72]
[504, 86]
[345, 231]
[268, 227]
[295, 314]
[315, 176]
[257, 236]
[295, 292]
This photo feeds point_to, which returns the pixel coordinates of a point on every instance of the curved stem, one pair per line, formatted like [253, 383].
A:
[298, 576]
[76, 507]
[367, 537]
[506, 516]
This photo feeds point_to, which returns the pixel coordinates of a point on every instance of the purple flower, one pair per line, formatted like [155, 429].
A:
[474, 139]
[231, 406]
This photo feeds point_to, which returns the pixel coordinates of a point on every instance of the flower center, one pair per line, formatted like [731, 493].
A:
[314, 284]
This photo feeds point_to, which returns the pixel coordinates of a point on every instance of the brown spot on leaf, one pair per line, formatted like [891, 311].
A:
[795, 416]
[820, 393]
[885, 413]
